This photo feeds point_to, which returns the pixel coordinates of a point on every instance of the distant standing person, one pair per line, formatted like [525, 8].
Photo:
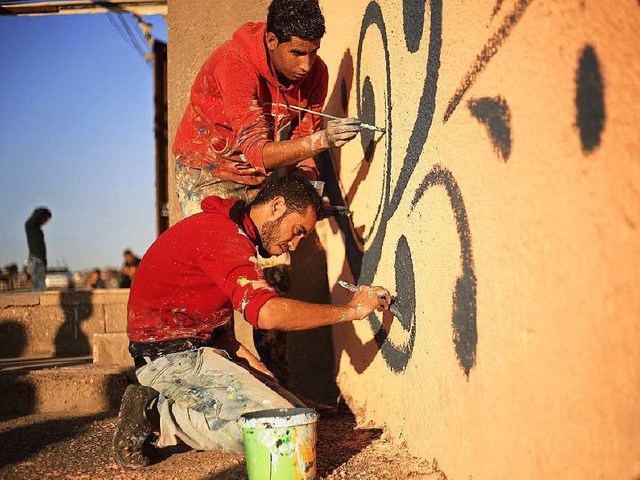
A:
[37, 261]
[129, 268]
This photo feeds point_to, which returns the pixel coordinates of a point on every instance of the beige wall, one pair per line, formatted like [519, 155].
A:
[502, 206]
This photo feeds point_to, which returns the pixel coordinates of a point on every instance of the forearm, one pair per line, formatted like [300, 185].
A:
[290, 152]
[287, 314]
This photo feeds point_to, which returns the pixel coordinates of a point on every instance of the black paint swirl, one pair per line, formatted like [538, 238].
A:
[413, 22]
[464, 323]
[490, 49]
[364, 266]
[397, 355]
[590, 113]
[495, 115]
[368, 115]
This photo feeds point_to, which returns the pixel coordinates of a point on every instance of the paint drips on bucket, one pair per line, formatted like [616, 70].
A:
[280, 444]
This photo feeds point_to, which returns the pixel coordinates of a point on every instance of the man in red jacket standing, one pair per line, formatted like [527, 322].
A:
[240, 126]
[195, 378]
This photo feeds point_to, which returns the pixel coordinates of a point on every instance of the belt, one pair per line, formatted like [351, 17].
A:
[153, 350]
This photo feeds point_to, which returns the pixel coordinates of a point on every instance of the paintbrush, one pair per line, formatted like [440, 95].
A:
[366, 126]
[393, 308]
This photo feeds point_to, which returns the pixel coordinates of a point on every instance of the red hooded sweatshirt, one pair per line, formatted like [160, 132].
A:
[196, 273]
[236, 105]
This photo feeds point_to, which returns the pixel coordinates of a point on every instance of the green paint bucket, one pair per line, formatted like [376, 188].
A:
[280, 444]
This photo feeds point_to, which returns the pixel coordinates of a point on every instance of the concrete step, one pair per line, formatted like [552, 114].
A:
[29, 388]
[38, 363]
[111, 349]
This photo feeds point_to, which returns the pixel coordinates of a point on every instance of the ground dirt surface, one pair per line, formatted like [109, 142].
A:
[79, 447]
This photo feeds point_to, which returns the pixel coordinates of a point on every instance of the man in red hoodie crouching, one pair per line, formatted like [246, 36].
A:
[195, 378]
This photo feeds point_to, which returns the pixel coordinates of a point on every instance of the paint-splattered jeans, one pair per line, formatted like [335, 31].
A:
[202, 394]
[192, 186]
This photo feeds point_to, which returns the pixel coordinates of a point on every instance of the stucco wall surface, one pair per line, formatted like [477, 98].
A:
[502, 205]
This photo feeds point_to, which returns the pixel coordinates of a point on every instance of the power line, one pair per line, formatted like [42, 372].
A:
[118, 28]
[124, 30]
[134, 41]
[137, 27]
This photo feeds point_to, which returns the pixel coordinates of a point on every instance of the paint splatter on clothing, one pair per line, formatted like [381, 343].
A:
[237, 105]
[202, 394]
[187, 284]
[193, 186]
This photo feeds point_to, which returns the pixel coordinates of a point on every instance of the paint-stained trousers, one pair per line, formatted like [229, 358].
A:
[202, 394]
[192, 186]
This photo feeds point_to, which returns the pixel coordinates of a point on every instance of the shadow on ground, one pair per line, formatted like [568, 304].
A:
[70, 340]
[238, 472]
[13, 338]
[340, 439]
[20, 443]
[80, 447]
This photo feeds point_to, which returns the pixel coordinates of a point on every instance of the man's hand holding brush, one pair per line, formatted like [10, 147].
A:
[340, 131]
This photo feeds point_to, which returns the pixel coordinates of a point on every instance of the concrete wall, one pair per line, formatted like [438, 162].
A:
[59, 324]
[502, 205]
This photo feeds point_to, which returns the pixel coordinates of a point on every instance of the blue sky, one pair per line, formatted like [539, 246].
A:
[76, 135]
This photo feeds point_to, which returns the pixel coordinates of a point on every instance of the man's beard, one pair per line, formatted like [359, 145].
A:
[269, 233]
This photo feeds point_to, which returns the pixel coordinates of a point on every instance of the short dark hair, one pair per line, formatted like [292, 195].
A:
[295, 18]
[297, 192]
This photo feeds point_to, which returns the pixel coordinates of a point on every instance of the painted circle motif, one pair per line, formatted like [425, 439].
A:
[397, 354]
[368, 115]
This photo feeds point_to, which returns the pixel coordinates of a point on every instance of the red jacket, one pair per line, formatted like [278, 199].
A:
[237, 103]
[196, 273]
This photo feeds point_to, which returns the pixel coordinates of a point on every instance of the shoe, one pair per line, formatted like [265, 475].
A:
[132, 441]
